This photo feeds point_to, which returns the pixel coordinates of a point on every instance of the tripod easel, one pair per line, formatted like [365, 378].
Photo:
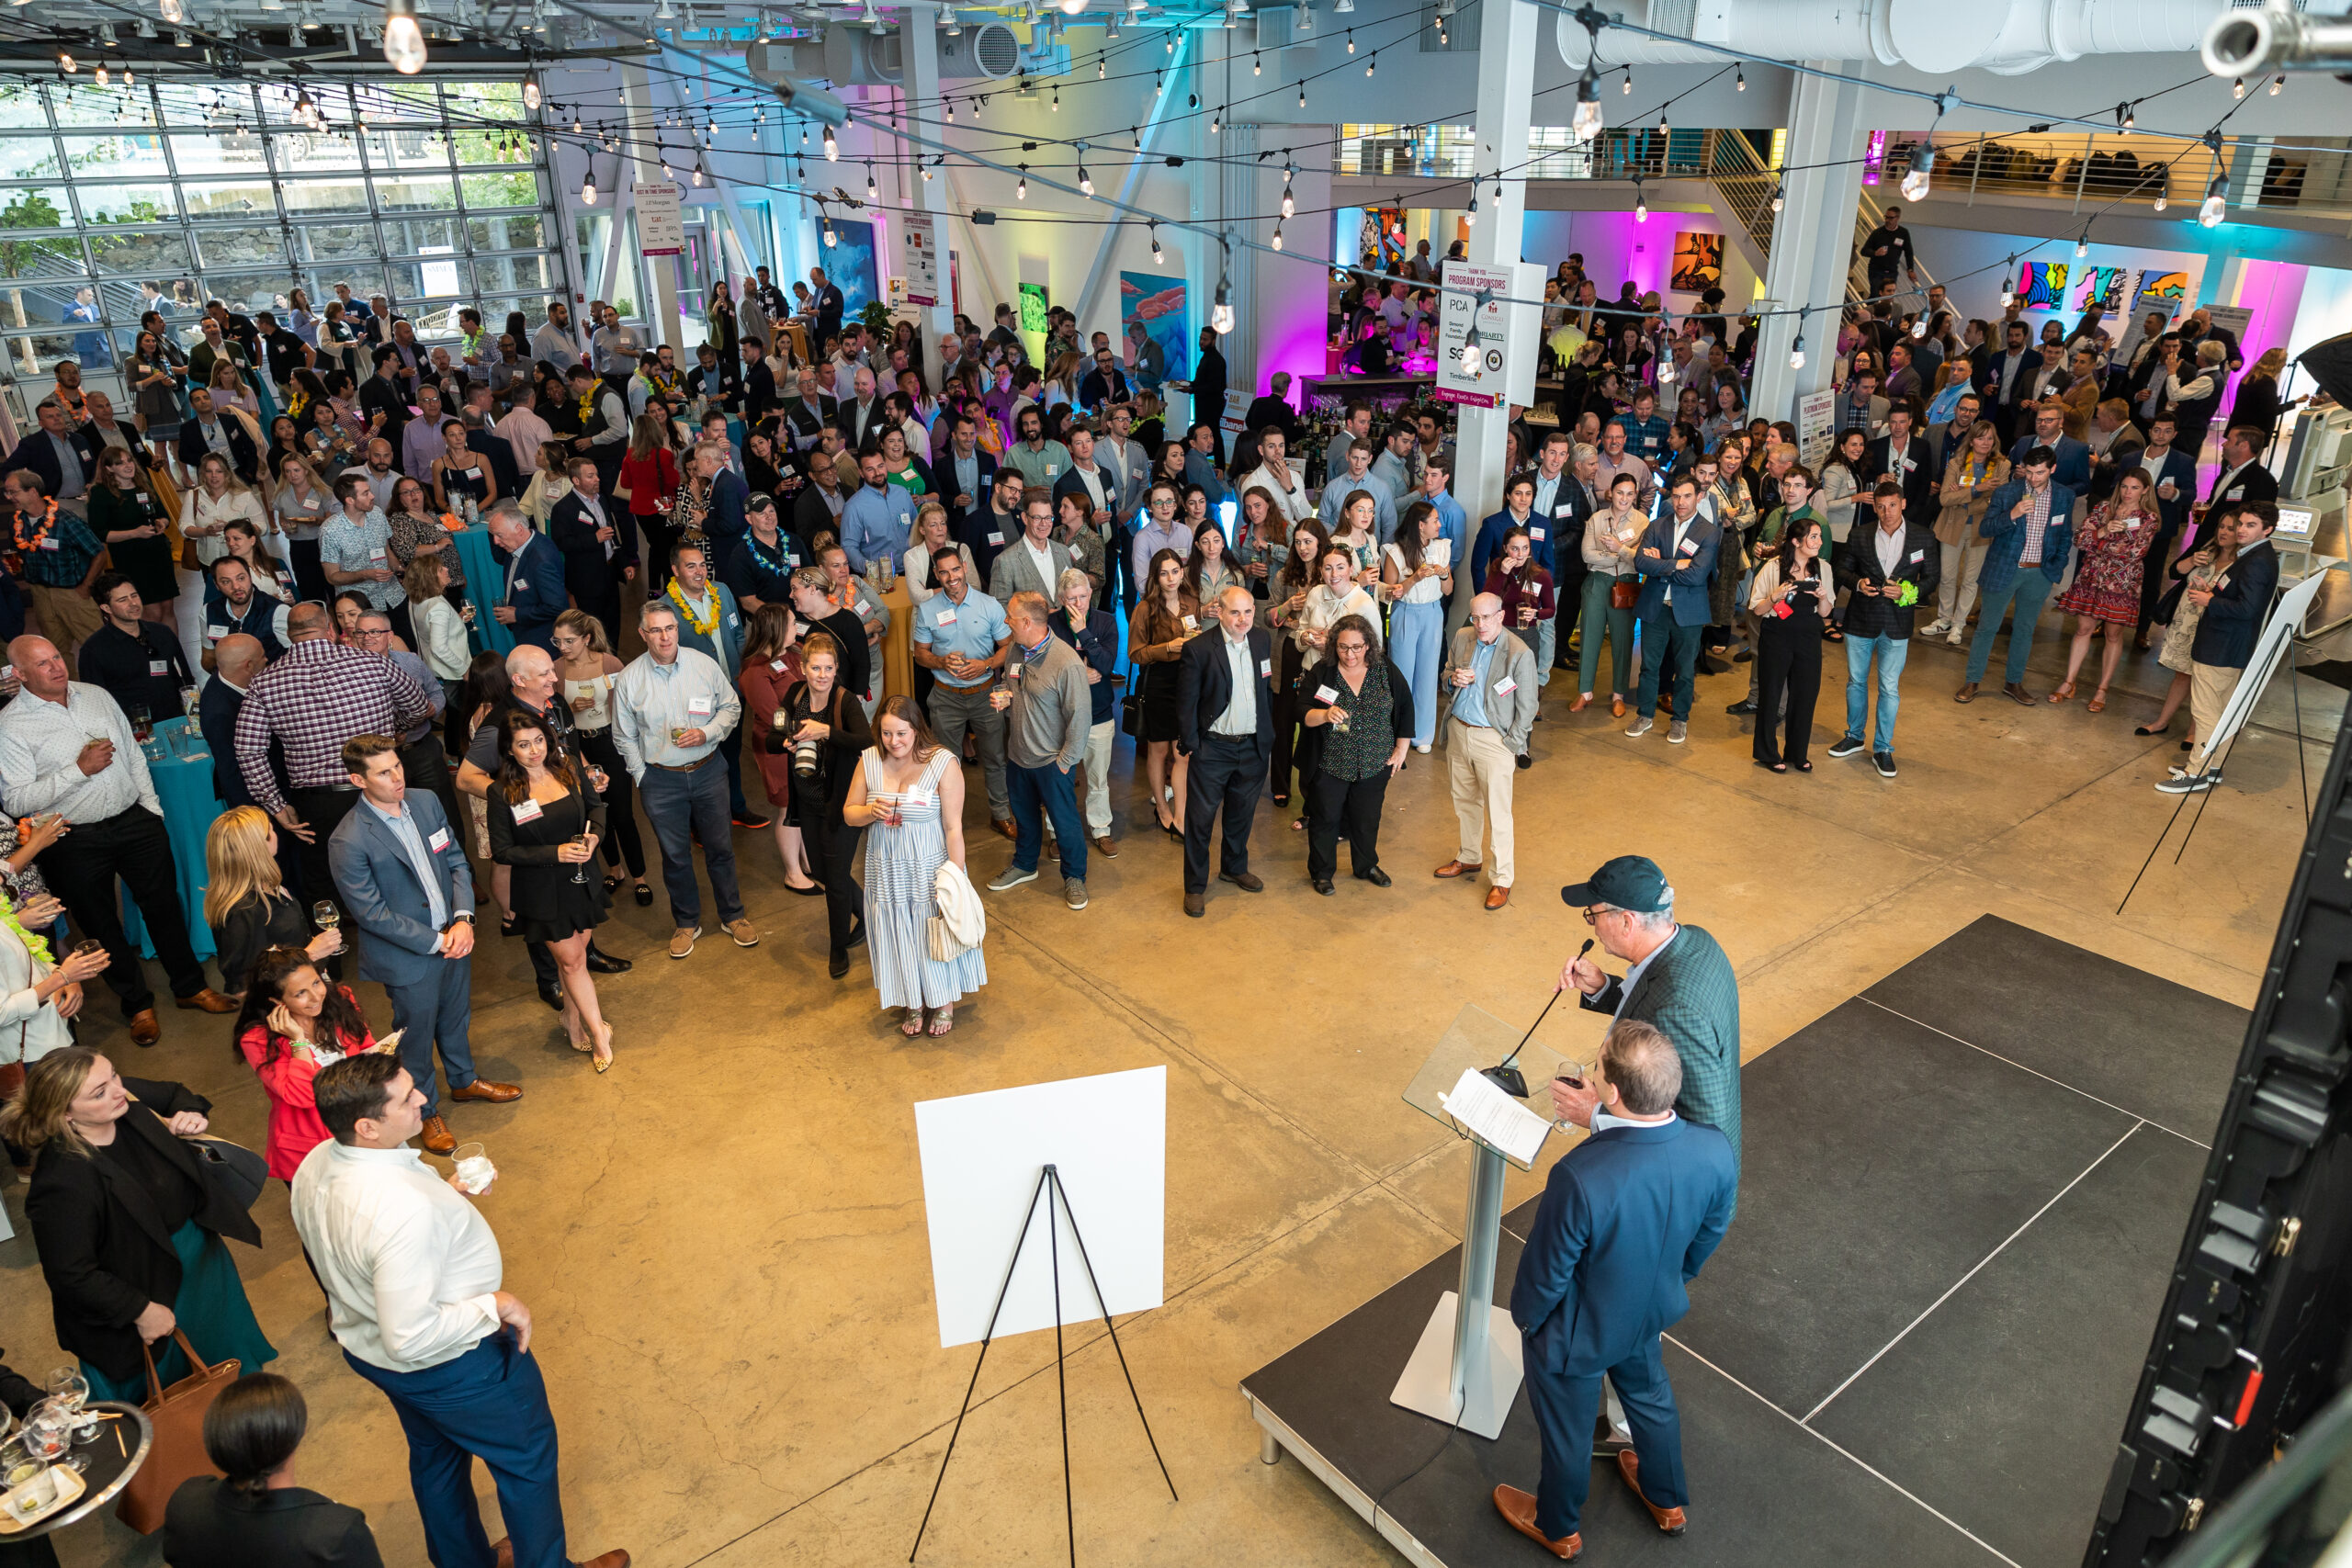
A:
[1049, 1188]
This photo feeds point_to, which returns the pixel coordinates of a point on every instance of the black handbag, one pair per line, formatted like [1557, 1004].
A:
[1131, 716]
[237, 1170]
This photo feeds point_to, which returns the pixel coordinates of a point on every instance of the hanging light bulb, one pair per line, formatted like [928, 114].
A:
[1739, 81]
[2277, 83]
[2082, 245]
[1780, 196]
[1587, 124]
[1057, 100]
[667, 172]
[2216, 205]
[1156, 256]
[2162, 201]
[66, 63]
[588, 190]
[1278, 236]
[951, 112]
[172, 12]
[1372, 59]
[1302, 94]
[530, 89]
[2237, 89]
[128, 80]
[1628, 87]
[404, 40]
[1923, 164]
[103, 75]
[1351, 39]
[1213, 123]
[1257, 65]
[1666, 370]
[1221, 315]
[871, 193]
[1796, 353]
[1640, 205]
[1919, 327]
[1662, 129]
[832, 148]
[926, 173]
[575, 124]
[830, 238]
[1289, 206]
[1470, 218]
[1021, 191]
[1085, 181]
[698, 172]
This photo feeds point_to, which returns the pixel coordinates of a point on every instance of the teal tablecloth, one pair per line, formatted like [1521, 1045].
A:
[484, 576]
[183, 789]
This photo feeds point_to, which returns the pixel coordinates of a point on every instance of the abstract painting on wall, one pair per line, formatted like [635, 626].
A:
[1159, 306]
[1698, 263]
[2100, 288]
[2165, 292]
[2041, 285]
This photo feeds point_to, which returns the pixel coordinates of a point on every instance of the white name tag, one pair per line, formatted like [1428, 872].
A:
[1919, 555]
[1192, 623]
[776, 665]
[48, 544]
[1535, 532]
[1562, 510]
[698, 707]
[376, 554]
[1265, 668]
[528, 811]
[158, 667]
[2131, 524]
[1326, 694]
[522, 582]
[996, 539]
[917, 797]
[946, 617]
[215, 633]
[1052, 469]
[1506, 686]
[1013, 672]
[439, 841]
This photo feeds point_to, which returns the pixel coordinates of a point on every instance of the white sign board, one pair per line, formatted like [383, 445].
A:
[1107, 1137]
[661, 226]
[1817, 427]
[2237, 321]
[919, 257]
[2268, 649]
[1234, 416]
[1499, 367]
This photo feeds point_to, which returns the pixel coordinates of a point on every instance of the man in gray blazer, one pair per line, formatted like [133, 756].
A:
[1490, 682]
[1032, 563]
[404, 876]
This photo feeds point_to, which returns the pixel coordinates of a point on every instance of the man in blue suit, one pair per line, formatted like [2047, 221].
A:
[2072, 459]
[1676, 563]
[1628, 1219]
[402, 874]
[2030, 523]
[534, 594]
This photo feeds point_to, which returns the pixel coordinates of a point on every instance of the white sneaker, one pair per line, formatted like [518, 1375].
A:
[1937, 628]
[1641, 727]
[1958, 636]
[1677, 732]
[1424, 750]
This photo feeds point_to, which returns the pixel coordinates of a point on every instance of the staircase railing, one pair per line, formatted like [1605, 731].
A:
[1745, 182]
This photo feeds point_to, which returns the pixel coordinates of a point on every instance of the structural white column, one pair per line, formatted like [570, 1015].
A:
[920, 35]
[1812, 244]
[1506, 45]
[660, 272]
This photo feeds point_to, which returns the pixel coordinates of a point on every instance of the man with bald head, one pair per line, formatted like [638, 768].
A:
[1490, 684]
[1225, 707]
[66, 748]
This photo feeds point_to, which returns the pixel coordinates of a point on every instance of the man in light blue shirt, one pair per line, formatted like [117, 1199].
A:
[1394, 466]
[961, 634]
[1359, 477]
[670, 709]
[877, 519]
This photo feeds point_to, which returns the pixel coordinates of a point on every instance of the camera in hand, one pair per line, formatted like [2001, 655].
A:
[804, 757]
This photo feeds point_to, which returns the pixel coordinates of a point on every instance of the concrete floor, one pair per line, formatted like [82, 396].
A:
[723, 1243]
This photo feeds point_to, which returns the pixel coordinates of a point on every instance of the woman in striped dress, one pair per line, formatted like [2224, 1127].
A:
[910, 791]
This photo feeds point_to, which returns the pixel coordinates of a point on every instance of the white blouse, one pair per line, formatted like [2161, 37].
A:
[202, 518]
[1429, 590]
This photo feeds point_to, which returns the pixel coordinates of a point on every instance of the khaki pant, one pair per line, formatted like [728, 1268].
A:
[68, 616]
[1479, 768]
[2209, 686]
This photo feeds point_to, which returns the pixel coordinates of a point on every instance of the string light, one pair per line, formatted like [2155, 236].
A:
[1587, 124]
[104, 76]
[1289, 206]
[833, 149]
[2237, 89]
[1371, 60]
[1221, 313]
[1923, 164]
[1156, 256]
[2082, 245]
[1780, 196]
[1302, 94]
[588, 190]
[1739, 82]
[530, 89]
[172, 12]
[1021, 191]
[1057, 100]
[1085, 183]
[1351, 42]
[404, 40]
[1257, 66]
[872, 194]
[2277, 83]
[66, 63]
[2216, 206]
[1278, 236]
[1628, 87]
[1640, 205]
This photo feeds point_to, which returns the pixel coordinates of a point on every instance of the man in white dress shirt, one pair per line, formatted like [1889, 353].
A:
[412, 1274]
[1283, 479]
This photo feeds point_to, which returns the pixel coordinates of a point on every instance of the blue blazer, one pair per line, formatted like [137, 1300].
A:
[379, 886]
[2008, 534]
[2234, 617]
[2181, 470]
[1691, 606]
[1489, 547]
[1629, 1217]
[2073, 469]
[725, 523]
[539, 593]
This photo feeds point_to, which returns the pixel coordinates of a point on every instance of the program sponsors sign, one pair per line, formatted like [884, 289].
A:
[919, 257]
[1817, 424]
[1499, 367]
[661, 226]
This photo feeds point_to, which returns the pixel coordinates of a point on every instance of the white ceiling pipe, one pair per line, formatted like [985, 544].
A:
[1829, 30]
[1933, 36]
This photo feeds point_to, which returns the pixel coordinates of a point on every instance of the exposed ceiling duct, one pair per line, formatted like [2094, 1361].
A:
[1933, 36]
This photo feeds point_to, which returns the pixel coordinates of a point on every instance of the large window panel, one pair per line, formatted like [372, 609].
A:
[431, 278]
[514, 275]
[398, 100]
[248, 292]
[337, 241]
[314, 152]
[420, 236]
[36, 207]
[364, 280]
[140, 252]
[324, 195]
[244, 201]
[20, 108]
[126, 203]
[225, 152]
[240, 249]
[512, 231]
[116, 156]
[27, 157]
[126, 301]
[99, 105]
[513, 187]
[415, 194]
[30, 353]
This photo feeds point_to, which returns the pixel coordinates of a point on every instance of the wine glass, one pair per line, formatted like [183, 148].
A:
[71, 1390]
[142, 727]
[1580, 1074]
[326, 914]
[88, 944]
[49, 1436]
[579, 871]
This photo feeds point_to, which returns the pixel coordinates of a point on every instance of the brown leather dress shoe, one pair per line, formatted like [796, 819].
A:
[483, 1089]
[1248, 881]
[1106, 847]
[208, 999]
[2015, 691]
[146, 1029]
[1006, 830]
[1196, 904]
[1456, 868]
[438, 1138]
[1670, 1520]
[502, 1551]
[615, 1558]
[1497, 897]
[1518, 1509]
[1966, 694]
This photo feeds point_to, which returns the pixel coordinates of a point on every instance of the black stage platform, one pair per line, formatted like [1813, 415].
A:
[1962, 1191]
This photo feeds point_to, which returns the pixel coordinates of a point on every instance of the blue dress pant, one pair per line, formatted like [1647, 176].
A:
[489, 1403]
[436, 1011]
[1037, 793]
[1565, 1407]
[1416, 646]
[1664, 639]
[682, 807]
[2027, 591]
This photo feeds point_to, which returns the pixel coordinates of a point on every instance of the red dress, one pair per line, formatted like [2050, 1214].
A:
[762, 685]
[651, 482]
[295, 1128]
[2114, 550]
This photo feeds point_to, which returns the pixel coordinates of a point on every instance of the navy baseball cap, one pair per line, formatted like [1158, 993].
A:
[1629, 882]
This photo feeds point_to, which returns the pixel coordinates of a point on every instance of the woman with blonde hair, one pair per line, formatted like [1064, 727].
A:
[1975, 471]
[909, 790]
[230, 392]
[440, 626]
[1061, 386]
[2112, 548]
[218, 497]
[245, 901]
[2257, 406]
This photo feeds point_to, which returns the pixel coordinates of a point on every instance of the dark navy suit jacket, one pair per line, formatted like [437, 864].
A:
[1629, 1217]
[1658, 572]
[539, 595]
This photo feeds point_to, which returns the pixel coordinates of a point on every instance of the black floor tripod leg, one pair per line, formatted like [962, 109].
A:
[1061, 1383]
[965, 1407]
[1080, 1237]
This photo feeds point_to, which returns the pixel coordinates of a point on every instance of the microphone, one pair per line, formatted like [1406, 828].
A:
[1509, 1079]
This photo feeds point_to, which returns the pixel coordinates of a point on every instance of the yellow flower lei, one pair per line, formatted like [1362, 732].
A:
[687, 614]
[588, 403]
[37, 947]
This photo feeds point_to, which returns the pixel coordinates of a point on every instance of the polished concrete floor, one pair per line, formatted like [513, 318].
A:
[723, 1239]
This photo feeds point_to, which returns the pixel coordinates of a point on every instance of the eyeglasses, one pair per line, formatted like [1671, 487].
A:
[1592, 914]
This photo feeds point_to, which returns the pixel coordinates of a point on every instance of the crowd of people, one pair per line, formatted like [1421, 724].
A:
[1075, 567]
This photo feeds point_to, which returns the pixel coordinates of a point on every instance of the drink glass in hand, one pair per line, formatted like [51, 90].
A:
[1580, 1074]
[88, 946]
[580, 872]
[475, 1173]
[325, 916]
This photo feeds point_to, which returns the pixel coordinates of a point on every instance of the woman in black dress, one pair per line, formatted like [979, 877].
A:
[545, 822]
[822, 733]
[1791, 597]
[1165, 619]
[124, 515]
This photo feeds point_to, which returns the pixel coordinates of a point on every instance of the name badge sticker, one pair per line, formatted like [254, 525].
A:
[1325, 694]
[776, 665]
[946, 617]
[1562, 510]
[439, 841]
[996, 539]
[1505, 686]
[1265, 668]
[528, 811]
[158, 667]
[215, 633]
[1919, 555]
[48, 544]
[698, 707]
[522, 582]
[1535, 532]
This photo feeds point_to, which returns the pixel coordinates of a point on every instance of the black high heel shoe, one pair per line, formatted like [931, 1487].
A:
[2150, 729]
[644, 896]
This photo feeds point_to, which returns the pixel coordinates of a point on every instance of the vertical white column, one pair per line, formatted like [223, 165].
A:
[1812, 244]
[1507, 44]
[660, 273]
[921, 34]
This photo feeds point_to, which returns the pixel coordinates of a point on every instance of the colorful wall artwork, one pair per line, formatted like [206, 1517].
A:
[2165, 291]
[2041, 285]
[1698, 263]
[849, 263]
[1159, 307]
[2100, 287]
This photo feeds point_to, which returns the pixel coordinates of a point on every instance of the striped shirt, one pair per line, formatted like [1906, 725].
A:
[2037, 521]
[310, 699]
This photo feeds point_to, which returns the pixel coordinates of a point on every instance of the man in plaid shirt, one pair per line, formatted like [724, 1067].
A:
[320, 694]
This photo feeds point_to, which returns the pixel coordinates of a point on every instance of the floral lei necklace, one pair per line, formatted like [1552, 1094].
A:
[588, 403]
[37, 947]
[48, 525]
[703, 628]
